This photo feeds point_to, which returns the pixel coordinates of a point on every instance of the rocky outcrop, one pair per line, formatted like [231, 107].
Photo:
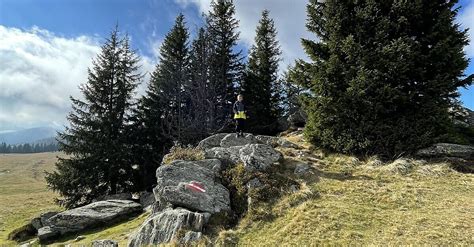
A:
[167, 225]
[229, 140]
[191, 185]
[189, 193]
[94, 214]
[441, 150]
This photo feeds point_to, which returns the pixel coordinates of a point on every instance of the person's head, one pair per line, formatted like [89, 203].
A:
[240, 97]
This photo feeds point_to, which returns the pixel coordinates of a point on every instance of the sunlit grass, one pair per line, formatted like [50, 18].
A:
[348, 201]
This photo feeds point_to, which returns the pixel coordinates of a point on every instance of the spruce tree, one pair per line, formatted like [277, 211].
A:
[94, 140]
[225, 69]
[199, 88]
[383, 73]
[261, 87]
[168, 82]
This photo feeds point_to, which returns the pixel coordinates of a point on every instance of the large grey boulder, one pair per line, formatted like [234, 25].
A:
[258, 157]
[174, 187]
[212, 141]
[121, 196]
[255, 157]
[94, 214]
[232, 140]
[228, 155]
[165, 226]
[440, 150]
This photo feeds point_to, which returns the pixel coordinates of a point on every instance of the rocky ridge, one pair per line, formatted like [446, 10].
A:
[190, 193]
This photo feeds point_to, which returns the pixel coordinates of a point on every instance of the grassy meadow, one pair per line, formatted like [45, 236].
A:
[342, 201]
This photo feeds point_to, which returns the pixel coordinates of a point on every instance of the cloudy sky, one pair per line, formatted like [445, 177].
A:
[46, 46]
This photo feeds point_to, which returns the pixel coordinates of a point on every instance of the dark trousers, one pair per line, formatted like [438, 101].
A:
[239, 125]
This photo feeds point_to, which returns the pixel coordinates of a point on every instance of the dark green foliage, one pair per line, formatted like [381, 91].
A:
[161, 117]
[199, 88]
[261, 87]
[168, 81]
[225, 67]
[383, 74]
[95, 140]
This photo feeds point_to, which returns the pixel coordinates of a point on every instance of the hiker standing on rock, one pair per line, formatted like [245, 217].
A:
[240, 114]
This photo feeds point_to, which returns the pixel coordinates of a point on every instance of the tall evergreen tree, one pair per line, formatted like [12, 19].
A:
[383, 73]
[95, 140]
[261, 87]
[199, 88]
[225, 69]
[168, 82]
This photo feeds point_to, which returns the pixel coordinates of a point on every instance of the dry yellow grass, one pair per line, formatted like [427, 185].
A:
[23, 191]
[344, 201]
[351, 202]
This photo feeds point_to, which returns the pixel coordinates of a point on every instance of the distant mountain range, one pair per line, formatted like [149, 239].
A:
[33, 135]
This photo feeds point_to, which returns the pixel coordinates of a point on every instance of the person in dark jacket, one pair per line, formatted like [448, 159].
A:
[240, 114]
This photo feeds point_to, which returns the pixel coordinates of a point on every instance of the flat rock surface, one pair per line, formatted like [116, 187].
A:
[96, 213]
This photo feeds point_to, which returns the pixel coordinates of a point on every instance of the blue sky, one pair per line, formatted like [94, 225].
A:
[47, 45]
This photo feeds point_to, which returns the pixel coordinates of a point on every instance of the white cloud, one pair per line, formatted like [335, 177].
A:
[466, 19]
[39, 71]
[289, 17]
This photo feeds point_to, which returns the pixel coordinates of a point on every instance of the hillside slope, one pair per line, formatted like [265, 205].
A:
[346, 201]
[340, 200]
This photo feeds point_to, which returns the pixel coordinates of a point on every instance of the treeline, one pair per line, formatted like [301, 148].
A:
[28, 148]
[381, 79]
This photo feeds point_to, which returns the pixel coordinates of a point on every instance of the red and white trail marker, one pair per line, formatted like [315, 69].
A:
[196, 186]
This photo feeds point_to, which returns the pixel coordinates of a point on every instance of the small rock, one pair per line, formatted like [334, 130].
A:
[147, 199]
[254, 184]
[190, 237]
[104, 243]
[293, 188]
[79, 238]
[301, 169]
[47, 232]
